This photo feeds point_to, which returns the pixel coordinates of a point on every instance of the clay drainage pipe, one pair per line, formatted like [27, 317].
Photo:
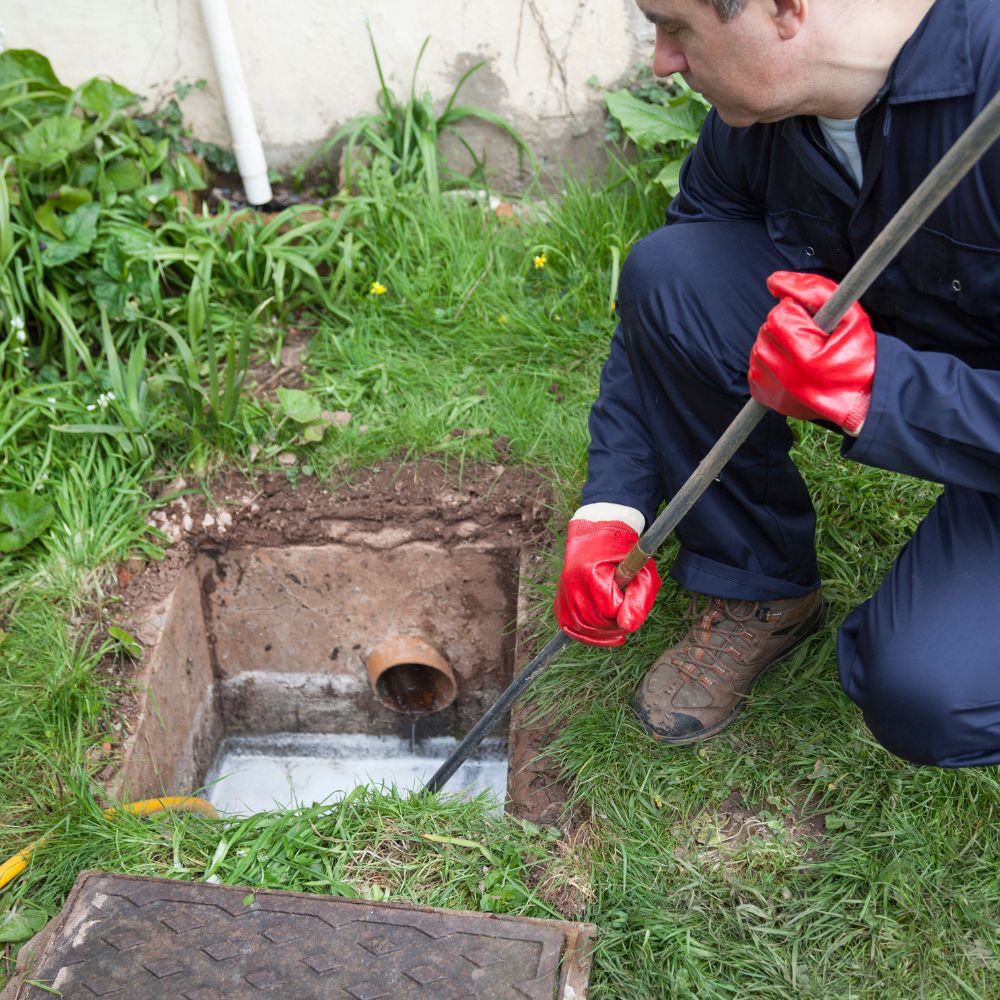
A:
[409, 675]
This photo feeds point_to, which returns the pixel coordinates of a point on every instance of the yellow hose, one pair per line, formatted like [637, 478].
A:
[14, 865]
[171, 803]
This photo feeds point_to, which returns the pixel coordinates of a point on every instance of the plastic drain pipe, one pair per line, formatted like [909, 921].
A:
[409, 675]
[246, 141]
[952, 167]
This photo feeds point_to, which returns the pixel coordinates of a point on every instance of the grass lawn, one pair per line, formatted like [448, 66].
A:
[791, 857]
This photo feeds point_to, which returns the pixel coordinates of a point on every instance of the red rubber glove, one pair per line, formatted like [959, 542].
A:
[798, 370]
[589, 605]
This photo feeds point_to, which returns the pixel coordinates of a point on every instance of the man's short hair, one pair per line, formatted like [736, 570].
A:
[727, 9]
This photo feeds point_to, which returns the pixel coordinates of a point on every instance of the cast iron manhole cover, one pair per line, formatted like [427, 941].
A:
[149, 939]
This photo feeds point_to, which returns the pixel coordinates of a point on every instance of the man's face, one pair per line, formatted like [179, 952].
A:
[743, 66]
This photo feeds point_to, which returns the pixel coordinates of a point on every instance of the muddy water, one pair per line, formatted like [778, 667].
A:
[254, 773]
[411, 688]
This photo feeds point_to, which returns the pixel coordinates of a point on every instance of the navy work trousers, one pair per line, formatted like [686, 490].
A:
[920, 656]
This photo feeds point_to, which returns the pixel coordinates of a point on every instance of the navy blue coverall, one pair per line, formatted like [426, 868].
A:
[922, 657]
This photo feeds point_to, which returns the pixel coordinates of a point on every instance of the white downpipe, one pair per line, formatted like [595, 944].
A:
[246, 141]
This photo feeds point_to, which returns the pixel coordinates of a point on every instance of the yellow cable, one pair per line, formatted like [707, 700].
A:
[14, 865]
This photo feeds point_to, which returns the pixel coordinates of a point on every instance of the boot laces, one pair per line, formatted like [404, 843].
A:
[707, 644]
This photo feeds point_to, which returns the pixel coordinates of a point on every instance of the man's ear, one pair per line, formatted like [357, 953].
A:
[789, 16]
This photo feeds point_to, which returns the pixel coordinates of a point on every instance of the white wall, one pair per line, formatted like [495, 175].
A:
[309, 67]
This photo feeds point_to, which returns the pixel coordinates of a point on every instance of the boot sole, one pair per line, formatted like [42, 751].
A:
[716, 728]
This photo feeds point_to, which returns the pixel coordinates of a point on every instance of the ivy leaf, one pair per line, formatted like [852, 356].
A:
[21, 923]
[26, 515]
[300, 405]
[81, 230]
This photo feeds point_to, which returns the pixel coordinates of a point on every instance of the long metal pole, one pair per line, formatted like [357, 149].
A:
[953, 166]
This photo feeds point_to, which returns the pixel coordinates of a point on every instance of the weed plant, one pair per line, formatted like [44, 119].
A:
[404, 137]
[442, 328]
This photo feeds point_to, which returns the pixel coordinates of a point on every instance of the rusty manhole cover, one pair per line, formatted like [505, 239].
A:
[142, 938]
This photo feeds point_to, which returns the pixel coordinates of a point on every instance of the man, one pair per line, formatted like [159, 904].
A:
[827, 115]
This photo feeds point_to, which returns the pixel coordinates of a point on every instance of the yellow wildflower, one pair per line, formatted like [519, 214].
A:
[540, 261]
[377, 288]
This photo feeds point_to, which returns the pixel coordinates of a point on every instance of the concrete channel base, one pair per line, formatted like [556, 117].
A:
[123, 937]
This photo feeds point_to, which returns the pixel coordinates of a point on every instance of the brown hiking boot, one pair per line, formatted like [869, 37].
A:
[697, 687]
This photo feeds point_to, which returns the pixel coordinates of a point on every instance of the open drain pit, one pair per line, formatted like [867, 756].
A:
[283, 675]
[399, 647]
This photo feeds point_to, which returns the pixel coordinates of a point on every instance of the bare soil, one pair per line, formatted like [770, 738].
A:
[404, 502]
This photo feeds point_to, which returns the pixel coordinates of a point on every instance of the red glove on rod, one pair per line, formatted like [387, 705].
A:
[589, 605]
[800, 371]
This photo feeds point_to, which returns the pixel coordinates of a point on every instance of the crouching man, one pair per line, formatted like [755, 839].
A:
[826, 116]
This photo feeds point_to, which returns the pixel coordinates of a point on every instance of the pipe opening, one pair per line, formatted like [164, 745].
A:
[408, 675]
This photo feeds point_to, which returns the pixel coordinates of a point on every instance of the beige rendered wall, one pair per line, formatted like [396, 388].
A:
[309, 67]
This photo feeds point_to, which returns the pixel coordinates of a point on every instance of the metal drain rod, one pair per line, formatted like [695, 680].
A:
[952, 167]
